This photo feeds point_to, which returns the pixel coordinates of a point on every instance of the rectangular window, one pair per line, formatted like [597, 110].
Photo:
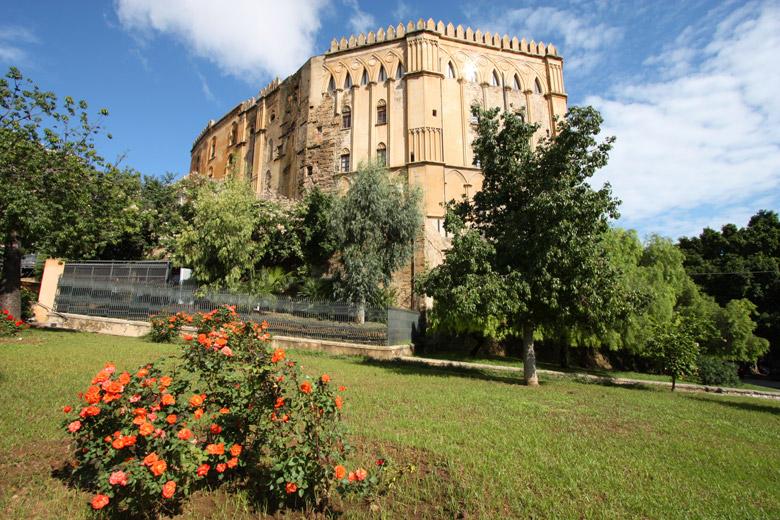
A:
[381, 115]
[345, 163]
[346, 121]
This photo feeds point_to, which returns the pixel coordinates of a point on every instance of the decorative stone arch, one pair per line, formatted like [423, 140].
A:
[537, 86]
[347, 83]
[517, 82]
[343, 184]
[400, 70]
[364, 77]
[455, 185]
[448, 60]
[381, 74]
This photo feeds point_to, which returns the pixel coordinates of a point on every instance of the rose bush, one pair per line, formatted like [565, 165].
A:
[167, 326]
[11, 325]
[146, 440]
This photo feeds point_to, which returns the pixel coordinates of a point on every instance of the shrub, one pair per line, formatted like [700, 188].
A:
[716, 372]
[144, 442]
[167, 326]
[11, 325]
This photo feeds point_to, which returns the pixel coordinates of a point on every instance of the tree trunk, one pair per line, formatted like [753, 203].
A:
[361, 311]
[529, 356]
[564, 350]
[11, 281]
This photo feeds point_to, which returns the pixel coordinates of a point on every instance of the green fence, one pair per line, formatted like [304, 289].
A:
[286, 316]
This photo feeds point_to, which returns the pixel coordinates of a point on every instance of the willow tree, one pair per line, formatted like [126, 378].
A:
[374, 226]
[544, 225]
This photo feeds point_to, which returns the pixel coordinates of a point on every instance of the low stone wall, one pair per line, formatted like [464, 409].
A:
[118, 327]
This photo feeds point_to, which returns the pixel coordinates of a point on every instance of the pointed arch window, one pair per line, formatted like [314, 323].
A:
[331, 84]
[472, 76]
[450, 70]
[537, 86]
[348, 82]
[516, 84]
[381, 112]
[494, 80]
[346, 119]
[382, 73]
[344, 164]
[364, 78]
[381, 154]
[399, 72]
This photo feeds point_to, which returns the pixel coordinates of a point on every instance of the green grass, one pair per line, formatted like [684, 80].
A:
[508, 361]
[475, 443]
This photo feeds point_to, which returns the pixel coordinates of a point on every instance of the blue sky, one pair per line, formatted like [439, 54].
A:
[688, 87]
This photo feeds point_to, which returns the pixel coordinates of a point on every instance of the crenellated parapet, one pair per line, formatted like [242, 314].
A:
[269, 88]
[448, 31]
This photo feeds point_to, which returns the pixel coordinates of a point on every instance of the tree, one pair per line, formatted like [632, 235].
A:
[57, 196]
[544, 225]
[218, 244]
[674, 347]
[374, 226]
[738, 263]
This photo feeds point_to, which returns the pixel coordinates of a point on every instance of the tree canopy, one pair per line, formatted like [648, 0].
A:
[374, 226]
[57, 196]
[544, 226]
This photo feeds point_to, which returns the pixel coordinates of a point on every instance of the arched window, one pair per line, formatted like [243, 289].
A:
[516, 84]
[233, 134]
[381, 112]
[344, 164]
[450, 70]
[346, 119]
[331, 84]
[267, 184]
[381, 154]
[537, 86]
[382, 73]
[213, 148]
[495, 81]
[270, 150]
[348, 82]
[474, 106]
[520, 116]
[399, 72]
[364, 78]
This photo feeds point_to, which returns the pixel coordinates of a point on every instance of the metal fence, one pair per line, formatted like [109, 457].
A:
[286, 316]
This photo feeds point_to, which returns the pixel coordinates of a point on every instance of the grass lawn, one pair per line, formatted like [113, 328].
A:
[465, 444]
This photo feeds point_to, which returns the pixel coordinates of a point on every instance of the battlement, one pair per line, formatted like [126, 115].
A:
[449, 31]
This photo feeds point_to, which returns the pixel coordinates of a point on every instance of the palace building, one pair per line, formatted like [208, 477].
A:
[402, 96]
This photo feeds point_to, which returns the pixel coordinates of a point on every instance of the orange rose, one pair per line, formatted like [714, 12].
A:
[142, 373]
[360, 474]
[325, 378]
[128, 440]
[198, 413]
[140, 411]
[146, 428]
[341, 472]
[168, 399]
[306, 387]
[224, 410]
[339, 404]
[203, 470]
[196, 400]
[150, 459]
[232, 463]
[108, 397]
[215, 428]
[291, 487]
[124, 378]
[221, 467]
[93, 395]
[115, 387]
[101, 376]
[158, 467]
[165, 381]
[216, 449]
[118, 444]
[99, 502]
[171, 419]
[169, 489]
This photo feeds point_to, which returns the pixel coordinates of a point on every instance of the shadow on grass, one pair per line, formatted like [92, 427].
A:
[745, 404]
[417, 368]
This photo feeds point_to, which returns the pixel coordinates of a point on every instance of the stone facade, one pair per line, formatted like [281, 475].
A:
[403, 94]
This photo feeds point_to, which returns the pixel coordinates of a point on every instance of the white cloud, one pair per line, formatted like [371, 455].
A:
[403, 12]
[12, 40]
[244, 38]
[360, 21]
[701, 146]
